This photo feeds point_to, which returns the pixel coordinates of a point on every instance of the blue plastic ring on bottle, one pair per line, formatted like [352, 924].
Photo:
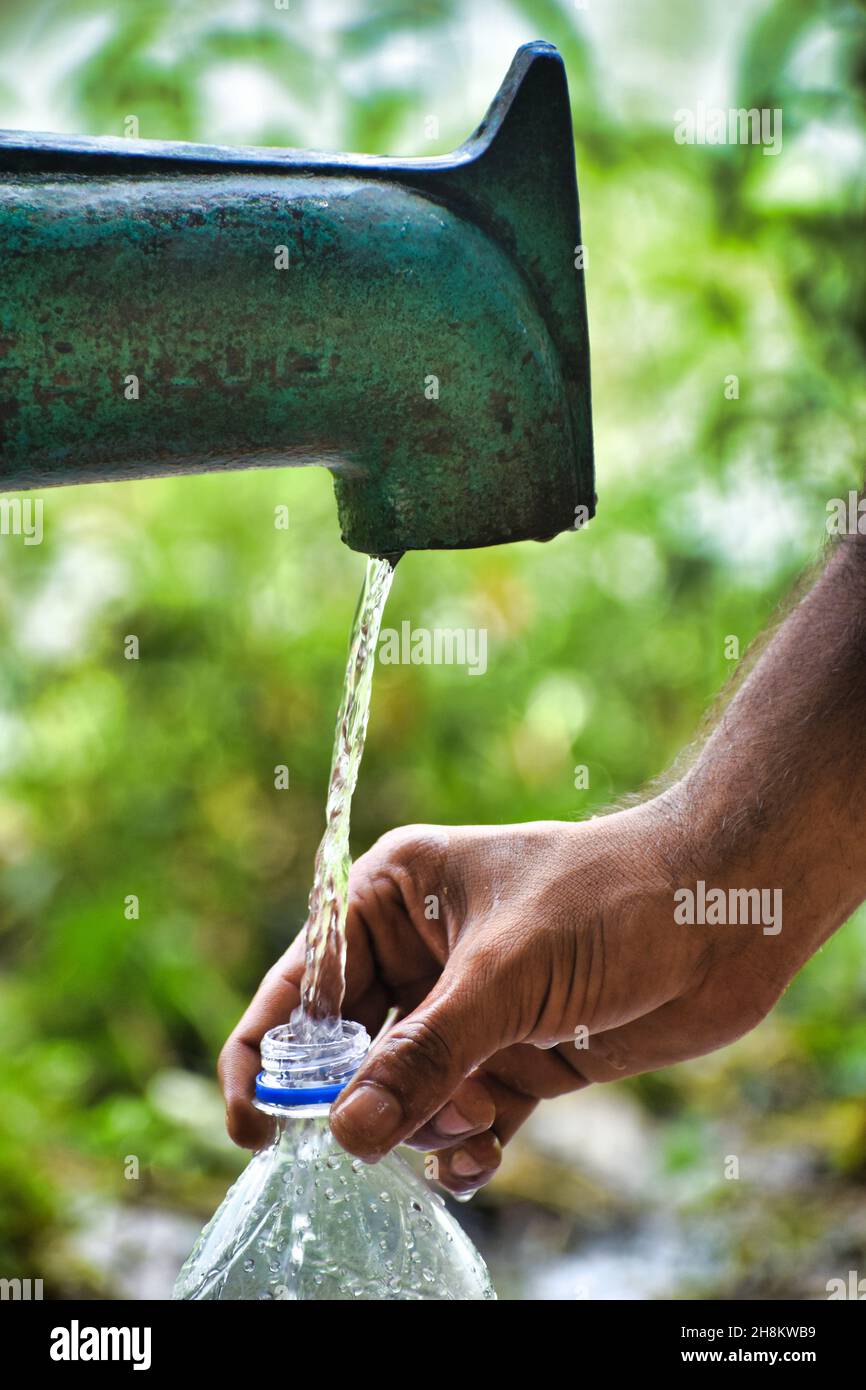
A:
[298, 1095]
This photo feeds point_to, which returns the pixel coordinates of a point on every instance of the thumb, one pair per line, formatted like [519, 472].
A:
[416, 1068]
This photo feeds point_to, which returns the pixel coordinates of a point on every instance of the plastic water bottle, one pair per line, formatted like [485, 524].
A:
[305, 1220]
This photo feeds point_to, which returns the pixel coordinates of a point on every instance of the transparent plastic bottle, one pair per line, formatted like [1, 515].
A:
[306, 1220]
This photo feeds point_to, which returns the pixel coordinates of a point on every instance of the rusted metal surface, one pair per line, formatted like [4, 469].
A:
[140, 260]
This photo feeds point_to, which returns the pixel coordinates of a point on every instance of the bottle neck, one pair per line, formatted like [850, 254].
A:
[306, 1076]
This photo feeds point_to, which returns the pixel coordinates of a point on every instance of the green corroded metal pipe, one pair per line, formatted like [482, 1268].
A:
[416, 326]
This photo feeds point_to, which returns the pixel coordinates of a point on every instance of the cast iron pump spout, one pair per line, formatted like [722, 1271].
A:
[417, 326]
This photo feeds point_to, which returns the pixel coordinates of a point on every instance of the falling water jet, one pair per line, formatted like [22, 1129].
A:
[317, 1017]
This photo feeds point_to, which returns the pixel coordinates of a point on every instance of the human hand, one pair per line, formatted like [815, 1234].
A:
[525, 961]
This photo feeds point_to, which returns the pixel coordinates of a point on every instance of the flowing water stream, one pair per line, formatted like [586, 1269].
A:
[317, 1017]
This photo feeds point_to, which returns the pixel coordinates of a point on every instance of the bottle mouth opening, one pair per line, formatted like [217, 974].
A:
[298, 1071]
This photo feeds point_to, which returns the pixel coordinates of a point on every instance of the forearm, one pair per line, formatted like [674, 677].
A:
[776, 796]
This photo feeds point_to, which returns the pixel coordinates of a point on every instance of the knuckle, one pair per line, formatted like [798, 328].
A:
[223, 1063]
[405, 844]
[416, 1057]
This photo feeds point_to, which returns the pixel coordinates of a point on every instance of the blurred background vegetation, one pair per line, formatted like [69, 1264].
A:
[155, 777]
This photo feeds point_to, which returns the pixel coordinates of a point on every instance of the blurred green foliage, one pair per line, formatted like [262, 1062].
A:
[156, 777]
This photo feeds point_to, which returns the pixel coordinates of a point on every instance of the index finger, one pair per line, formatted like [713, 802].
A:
[239, 1062]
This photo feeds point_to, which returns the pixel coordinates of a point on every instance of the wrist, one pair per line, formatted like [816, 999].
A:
[774, 886]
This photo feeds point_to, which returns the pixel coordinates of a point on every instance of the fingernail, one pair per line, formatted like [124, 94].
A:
[449, 1121]
[370, 1112]
[464, 1165]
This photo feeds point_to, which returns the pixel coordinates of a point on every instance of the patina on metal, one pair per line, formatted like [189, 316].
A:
[427, 341]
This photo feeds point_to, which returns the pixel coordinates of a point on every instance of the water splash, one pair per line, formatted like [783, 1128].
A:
[317, 1017]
